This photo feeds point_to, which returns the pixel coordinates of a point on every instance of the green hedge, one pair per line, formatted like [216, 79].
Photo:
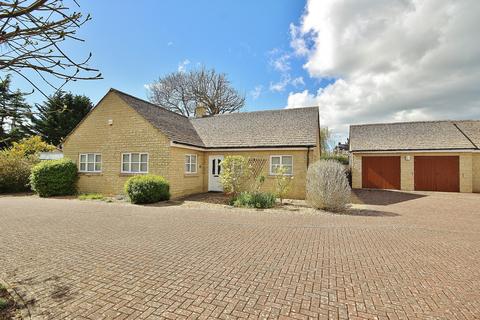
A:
[259, 200]
[54, 178]
[15, 173]
[343, 159]
[147, 189]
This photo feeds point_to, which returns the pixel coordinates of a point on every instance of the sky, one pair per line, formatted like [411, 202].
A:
[360, 61]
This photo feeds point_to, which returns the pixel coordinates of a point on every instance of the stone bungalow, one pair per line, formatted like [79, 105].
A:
[124, 136]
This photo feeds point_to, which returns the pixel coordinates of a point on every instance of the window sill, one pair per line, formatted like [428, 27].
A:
[276, 175]
[129, 174]
[90, 173]
[191, 175]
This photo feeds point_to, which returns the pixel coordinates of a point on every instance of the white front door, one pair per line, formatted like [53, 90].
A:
[214, 168]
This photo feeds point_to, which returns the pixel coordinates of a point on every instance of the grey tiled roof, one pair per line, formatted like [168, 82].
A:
[177, 127]
[273, 128]
[285, 127]
[428, 135]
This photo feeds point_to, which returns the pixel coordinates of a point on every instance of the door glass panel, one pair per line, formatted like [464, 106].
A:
[219, 167]
[213, 166]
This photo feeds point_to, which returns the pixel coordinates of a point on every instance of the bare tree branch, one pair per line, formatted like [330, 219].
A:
[181, 92]
[31, 34]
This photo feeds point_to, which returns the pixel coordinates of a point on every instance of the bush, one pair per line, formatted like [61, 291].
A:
[54, 178]
[343, 159]
[17, 161]
[327, 186]
[15, 173]
[259, 200]
[235, 174]
[147, 189]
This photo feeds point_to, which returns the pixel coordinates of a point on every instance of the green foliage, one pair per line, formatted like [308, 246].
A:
[343, 159]
[147, 189]
[30, 147]
[235, 174]
[17, 161]
[259, 200]
[4, 303]
[59, 115]
[54, 178]
[14, 112]
[282, 183]
[91, 196]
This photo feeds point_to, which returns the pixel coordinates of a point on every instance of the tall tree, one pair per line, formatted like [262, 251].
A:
[14, 113]
[181, 92]
[59, 115]
[31, 35]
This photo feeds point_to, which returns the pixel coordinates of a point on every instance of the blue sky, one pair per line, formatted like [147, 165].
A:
[132, 45]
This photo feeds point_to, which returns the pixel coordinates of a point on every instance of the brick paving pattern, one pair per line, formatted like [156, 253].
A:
[405, 256]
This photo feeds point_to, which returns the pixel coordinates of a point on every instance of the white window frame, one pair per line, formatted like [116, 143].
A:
[190, 163]
[130, 162]
[95, 154]
[281, 164]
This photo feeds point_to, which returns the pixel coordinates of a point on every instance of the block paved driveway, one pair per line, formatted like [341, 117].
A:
[404, 256]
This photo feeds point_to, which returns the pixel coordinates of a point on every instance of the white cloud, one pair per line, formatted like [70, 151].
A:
[169, 43]
[390, 60]
[296, 82]
[256, 92]
[182, 66]
[280, 85]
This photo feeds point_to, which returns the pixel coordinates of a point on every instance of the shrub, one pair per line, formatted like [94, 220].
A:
[259, 200]
[235, 174]
[15, 173]
[54, 178]
[147, 189]
[282, 183]
[16, 163]
[327, 186]
[343, 159]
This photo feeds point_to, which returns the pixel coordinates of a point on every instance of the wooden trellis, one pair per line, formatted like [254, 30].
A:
[256, 165]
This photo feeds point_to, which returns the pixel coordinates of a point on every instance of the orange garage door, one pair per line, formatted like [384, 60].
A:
[437, 173]
[381, 172]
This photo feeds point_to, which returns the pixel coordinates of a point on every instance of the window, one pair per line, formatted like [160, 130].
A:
[191, 163]
[135, 162]
[281, 161]
[90, 162]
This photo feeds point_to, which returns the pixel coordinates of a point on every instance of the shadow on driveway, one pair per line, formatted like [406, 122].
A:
[382, 197]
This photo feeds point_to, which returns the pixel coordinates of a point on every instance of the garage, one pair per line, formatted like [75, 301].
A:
[381, 172]
[437, 173]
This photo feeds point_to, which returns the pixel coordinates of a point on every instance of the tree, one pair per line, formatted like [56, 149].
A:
[181, 92]
[282, 183]
[59, 115]
[31, 34]
[14, 112]
[235, 174]
[324, 140]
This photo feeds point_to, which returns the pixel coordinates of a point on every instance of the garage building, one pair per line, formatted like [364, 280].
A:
[420, 156]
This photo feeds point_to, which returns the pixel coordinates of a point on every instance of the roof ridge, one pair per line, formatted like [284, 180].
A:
[257, 111]
[148, 102]
[407, 122]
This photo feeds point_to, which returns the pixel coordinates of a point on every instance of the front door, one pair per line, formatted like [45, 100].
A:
[214, 168]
